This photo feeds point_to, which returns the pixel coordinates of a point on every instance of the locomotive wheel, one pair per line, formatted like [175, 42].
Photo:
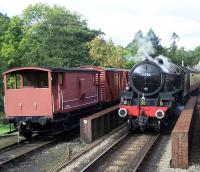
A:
[131, 125]
[129, 122]
[27, 134]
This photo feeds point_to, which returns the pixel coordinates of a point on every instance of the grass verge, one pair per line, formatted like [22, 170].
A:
[4, 128]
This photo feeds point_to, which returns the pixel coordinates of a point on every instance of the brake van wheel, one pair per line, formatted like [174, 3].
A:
[27, 134]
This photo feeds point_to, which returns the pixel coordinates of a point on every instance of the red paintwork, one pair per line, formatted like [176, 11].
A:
[28, 102]
[146, 110]
[112, 82]
[73, 90]
[79, 89]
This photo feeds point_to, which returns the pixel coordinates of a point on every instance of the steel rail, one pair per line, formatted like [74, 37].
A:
[136, 159]
[86, 150]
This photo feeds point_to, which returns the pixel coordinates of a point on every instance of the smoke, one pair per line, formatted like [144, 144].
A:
[197, 66]
[144, 50]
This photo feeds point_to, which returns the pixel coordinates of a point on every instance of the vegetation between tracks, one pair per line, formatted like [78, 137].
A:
[5, 128]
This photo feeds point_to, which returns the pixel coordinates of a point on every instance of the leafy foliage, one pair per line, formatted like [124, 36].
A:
[12, 38]
[54, 37]
[106, 54]
[155, 40]
[134, 45]
[4, 24]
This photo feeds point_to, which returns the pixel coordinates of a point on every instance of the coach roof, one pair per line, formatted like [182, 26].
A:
[48, 69]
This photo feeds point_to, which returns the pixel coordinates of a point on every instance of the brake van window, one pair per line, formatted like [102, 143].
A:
[13, 81]
[35, 80]
[10, 82]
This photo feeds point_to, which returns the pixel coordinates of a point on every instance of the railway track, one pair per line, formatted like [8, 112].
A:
[10, 133]
[89, 151]
[12, 139]
[16, 151]
[125, 155]
[6, 141]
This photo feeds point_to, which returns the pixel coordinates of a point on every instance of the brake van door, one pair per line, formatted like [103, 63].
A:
[55, 97]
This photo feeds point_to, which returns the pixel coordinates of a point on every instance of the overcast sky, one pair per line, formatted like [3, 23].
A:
[121, 19]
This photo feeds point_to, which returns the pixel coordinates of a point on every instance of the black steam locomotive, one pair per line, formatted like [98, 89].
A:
[154, 88]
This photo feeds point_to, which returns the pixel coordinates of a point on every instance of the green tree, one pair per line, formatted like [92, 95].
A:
[173, 48]
[4, 25]
[197, 55]
[155, 40]
[11, 41]
[54, 37]
[106, 54]
[134, 44]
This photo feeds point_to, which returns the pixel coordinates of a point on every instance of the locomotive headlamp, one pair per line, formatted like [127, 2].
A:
[125, 102]
[143, 101]
[160, 114]
[127, 88]
[122, 112]
[161, 102]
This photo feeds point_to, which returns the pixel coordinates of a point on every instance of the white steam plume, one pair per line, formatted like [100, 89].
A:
[145, 48]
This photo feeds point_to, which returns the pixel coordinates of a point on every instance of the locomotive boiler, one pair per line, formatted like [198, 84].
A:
[155, 87]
